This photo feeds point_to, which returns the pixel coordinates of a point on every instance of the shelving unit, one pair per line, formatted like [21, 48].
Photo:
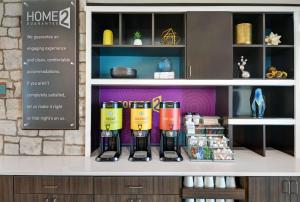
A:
[251, 132]
[144, 58]
[243, 130]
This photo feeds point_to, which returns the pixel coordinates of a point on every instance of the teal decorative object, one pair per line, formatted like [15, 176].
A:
[165, 65]
[258, 105]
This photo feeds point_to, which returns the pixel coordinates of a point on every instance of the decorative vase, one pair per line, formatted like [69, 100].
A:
[165, 65]
[108, 37]
[244, 33]
[137, 42]
[258, 104]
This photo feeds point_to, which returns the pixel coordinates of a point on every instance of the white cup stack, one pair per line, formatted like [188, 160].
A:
[220, 182]
[209, 182]
[189, 200]
[230, 182]
[188, 181]
[198, 182]
[200, 200]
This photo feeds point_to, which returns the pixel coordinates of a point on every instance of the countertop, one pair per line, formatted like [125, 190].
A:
[247, 163]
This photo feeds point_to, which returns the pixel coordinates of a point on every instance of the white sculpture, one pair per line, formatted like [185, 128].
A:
[245, 74]
[273, 39]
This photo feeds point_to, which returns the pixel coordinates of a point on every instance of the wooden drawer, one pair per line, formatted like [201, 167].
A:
[115, 198]
[52, 198]
[123, 185]
[167, 185]
[158, 198]
[6, 188]
[53, 184]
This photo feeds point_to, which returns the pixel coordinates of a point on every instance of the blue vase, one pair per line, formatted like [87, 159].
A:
[164, 65]
[258, 105]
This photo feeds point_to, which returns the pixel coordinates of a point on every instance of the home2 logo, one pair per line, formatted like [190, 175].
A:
[155, 103]
[44, 18]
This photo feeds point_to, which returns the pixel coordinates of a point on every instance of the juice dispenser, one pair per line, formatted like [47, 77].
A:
[140, 125]
[110, 125]
[169, 125]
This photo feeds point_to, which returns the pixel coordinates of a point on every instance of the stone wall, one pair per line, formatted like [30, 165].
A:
[14, 140]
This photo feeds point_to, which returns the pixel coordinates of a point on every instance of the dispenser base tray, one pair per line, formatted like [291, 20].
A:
[140, 156]
[170, 156]
[108, 156]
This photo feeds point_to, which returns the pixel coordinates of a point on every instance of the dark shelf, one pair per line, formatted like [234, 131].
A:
[103, 21]
[254, 65]
[247, 46]
[217, 193]
[163, 21]
[133, 46]
[256, 19]
[133, 22]
[281, 24]
[280, 46]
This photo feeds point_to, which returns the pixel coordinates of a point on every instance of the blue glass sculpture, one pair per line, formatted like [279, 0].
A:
[165, 65]
[258, 105]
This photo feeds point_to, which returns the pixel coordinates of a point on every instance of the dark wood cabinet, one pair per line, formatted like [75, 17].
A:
[6, 189]
[123, 185]
[158, 198]
[274, 189]
[209, 45]
[52, 198]
[53, 184]
[115, 198]
[258, 189]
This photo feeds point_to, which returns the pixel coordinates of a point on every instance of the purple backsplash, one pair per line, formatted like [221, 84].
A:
[201, 100]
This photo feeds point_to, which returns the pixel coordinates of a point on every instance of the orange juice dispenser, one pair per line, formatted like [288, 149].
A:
[169, 125]
[110, 125]
[140, 125]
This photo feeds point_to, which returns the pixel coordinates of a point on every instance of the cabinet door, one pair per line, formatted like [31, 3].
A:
[158, 198]
[115, 198]
[279, 188]
[167, 185]
[72, 198]
[295, 189]
[123, 185]
[32, 198]
[209, 45]
[258, 189]
[6, 188]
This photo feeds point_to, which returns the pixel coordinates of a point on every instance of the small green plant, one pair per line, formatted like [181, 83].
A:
[137, 35]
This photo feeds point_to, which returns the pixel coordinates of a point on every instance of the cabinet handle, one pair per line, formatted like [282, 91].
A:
[50, 186]
[130, 200]
[54, 199]
[284, 182]
[297, 187]
[139, 200]
[46, 200]
[135, 187]
[190, 71]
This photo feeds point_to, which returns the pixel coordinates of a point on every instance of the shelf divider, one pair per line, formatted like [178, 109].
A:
[226, 193]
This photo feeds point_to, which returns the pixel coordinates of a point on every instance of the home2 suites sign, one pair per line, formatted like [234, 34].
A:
[49, 64]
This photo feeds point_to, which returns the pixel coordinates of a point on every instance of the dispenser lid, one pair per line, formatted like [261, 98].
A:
[141, 105]
[111, 104]
[169, 104]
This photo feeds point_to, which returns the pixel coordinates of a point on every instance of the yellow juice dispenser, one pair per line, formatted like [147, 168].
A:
[111, 125]
[140, 125]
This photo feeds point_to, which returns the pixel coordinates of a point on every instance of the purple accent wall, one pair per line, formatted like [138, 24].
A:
[201, 100]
